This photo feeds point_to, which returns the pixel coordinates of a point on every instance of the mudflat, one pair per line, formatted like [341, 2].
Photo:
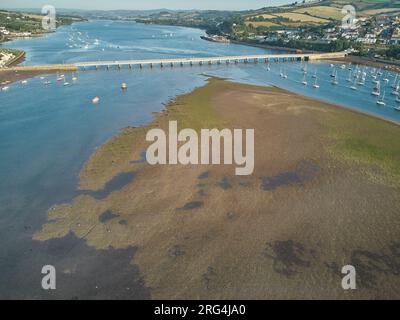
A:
[325, 193]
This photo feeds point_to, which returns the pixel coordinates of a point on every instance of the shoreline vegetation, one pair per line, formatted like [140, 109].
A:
[322, 172]
[16, 25]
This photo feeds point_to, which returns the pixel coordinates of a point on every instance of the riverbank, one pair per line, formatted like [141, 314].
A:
[275, 48]
[324, 193]
[13, 74]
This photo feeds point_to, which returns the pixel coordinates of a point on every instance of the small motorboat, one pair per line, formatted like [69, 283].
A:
[5, 88]
[24, 82]
[95, 100]
[397, 108]
[124, 86]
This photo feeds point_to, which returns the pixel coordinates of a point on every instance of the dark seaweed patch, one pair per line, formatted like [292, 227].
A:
[209, 277]
[224, 184]
[107, 216]
[192, 205]
[115, 184]
[304, 172]
[176, 251]
[287, 257]
[370, 265]
[204, 175]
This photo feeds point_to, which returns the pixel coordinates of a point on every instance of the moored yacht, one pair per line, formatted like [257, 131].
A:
[377, 90]
[316, 85]
[381, 101]
[304, 82]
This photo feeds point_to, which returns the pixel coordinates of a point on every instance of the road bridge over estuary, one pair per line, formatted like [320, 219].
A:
[171, 62]
[210, 60]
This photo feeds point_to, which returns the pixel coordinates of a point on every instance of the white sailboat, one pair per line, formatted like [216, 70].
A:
[304, 82]
[353, 87]
[349, 78]
[381, 101]
[395, 92]
[377, 90]
[335, 79]
[395, 84]
[316, 85]
[305, 69]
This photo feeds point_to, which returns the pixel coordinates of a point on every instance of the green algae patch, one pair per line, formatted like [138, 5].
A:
[371, 142]
[192, 110]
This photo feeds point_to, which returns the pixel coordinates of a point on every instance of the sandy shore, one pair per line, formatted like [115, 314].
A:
[8, 77]
[324, 194]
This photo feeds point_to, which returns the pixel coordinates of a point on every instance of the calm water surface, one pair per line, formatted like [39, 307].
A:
[48, 132]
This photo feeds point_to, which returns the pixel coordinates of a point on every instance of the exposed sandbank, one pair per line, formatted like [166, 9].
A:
[325, 193]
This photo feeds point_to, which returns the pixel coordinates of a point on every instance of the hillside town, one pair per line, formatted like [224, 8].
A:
[382, 30]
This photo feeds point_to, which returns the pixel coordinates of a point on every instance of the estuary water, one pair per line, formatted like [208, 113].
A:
[47, 132]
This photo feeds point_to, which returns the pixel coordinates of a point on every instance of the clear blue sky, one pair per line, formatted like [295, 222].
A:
[145, 4]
